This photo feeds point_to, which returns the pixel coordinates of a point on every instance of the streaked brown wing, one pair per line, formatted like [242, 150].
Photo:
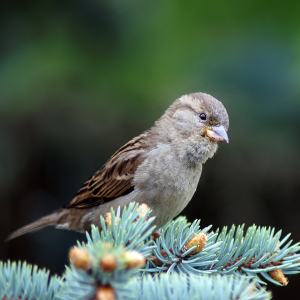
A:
[115, 177]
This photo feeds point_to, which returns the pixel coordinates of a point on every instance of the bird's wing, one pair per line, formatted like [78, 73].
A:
[115, 177]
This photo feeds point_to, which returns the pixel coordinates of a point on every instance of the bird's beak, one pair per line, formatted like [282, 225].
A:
[217, 134]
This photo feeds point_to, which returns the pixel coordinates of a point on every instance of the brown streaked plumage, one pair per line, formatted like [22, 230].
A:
[114, 178]
[161, 167]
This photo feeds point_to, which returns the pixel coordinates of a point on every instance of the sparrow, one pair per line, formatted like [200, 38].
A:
[160, 168]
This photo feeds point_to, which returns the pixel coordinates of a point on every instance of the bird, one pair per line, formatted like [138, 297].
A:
[160, 168]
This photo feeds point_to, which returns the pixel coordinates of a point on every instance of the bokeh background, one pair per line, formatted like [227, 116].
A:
[79, 78]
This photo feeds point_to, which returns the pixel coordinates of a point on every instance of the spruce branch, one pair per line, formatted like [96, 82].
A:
[205, 287]
[131, 229]
[23, 281]
[173, 252]
[220, 265]
[257, 252]
[101, 267]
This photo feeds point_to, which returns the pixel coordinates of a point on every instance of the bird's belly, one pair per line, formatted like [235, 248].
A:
[166, 186]
[171, 200]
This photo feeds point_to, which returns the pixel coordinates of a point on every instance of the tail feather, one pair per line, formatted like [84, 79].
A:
[70, 218]
[37, 225]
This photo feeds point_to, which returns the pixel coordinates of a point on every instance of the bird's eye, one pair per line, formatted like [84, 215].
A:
[203, 116]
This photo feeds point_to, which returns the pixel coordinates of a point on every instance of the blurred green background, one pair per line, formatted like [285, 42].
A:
[79, 78]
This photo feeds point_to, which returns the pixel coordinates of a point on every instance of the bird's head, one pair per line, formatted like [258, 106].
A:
[202, 121]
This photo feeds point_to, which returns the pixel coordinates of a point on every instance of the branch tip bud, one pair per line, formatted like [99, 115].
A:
[108, 219]
[142, 209]
[133, 259]
[278, 276]
[108, 263]
[198, 240]
[105, 293]
[80, 258]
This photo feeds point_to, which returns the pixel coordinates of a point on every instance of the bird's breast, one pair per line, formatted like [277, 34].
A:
[166, 182]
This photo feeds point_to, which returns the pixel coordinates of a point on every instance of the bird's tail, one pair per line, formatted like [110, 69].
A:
[49, 220]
